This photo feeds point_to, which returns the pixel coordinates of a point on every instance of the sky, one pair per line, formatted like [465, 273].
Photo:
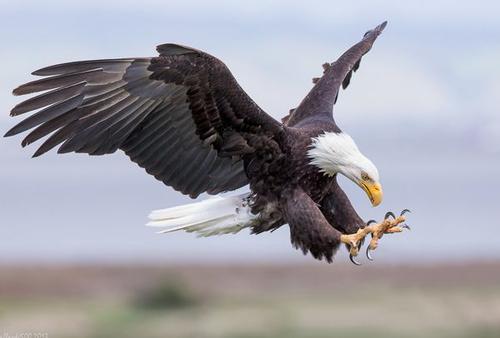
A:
[424, 107]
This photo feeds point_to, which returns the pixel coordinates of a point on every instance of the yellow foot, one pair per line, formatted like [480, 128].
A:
[389, 225]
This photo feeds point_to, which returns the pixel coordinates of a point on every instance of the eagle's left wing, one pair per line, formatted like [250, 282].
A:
[323, 95]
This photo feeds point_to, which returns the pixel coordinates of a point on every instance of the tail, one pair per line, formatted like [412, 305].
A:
[215, 216]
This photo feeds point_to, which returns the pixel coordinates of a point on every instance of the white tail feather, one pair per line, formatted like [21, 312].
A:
[214, 216]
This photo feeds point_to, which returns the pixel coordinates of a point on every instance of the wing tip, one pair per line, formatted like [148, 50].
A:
[17, 91]
[25, 143]
[17, 110]
[381, 27]
[40, 151]
[49, 70]
[13, 131]
[38, 72]
[377, 30]
[10, 132]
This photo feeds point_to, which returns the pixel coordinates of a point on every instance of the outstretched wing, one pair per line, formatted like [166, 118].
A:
[182, 116]
[309, 229]
[323, 95]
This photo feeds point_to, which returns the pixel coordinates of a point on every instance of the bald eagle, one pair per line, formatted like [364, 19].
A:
[183, 118]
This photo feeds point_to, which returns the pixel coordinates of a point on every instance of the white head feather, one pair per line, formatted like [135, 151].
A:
[336, 153]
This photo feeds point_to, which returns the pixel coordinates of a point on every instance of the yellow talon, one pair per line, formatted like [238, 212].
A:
[377, 231]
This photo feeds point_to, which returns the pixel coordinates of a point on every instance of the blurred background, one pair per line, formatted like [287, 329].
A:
[75, 260]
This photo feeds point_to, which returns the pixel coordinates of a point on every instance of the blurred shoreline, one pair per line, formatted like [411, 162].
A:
[251, 300]
[88, 278]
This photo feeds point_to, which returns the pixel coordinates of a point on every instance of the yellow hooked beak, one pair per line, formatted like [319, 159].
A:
[373, 190]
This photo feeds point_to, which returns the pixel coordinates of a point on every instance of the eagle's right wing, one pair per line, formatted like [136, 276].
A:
[182, 116]
[323, 95]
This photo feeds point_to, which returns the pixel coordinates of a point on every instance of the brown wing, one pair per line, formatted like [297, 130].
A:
[182, 116]
[323, 95]
[309, 230]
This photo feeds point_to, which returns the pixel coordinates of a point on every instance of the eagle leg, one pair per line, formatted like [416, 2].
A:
[389, 225]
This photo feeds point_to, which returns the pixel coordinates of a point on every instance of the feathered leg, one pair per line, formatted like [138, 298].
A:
[309, 230]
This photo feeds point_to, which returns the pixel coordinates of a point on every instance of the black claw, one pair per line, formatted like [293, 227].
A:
[371, 221]
[406, 226]
[368, 253]
[355, 262]
[359, 245]
[405, 211]
[389, 213]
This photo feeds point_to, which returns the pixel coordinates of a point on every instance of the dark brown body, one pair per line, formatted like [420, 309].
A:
[274, 180]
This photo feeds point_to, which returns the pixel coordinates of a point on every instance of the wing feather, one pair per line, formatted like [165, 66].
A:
[170, 114]
[43, 100]
[49, 113]
[108, 65]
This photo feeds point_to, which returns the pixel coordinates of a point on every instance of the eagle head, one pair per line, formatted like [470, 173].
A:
[335, 153]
